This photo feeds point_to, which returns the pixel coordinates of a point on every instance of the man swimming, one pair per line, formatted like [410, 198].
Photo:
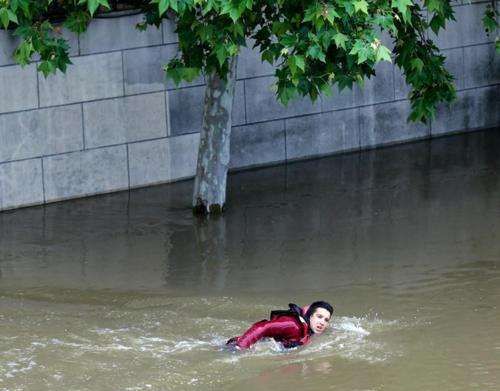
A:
[292, 327]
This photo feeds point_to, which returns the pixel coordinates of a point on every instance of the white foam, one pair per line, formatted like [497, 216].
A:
[22, 365]
[152, 339]
[351, 326]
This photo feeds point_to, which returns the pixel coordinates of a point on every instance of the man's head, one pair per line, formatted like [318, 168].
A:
[318, 316]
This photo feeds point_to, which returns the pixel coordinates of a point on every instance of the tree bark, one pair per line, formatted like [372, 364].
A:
[209, 195]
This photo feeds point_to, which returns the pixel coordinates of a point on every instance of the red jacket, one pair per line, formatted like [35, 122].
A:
[290, 330]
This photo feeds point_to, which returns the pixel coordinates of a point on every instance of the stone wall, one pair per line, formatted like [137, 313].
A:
[113, 123]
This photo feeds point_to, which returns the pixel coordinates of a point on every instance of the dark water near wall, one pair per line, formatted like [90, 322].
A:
[131, 292]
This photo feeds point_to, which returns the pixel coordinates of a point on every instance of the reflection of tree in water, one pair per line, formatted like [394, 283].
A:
[198, 257]
[211, 242]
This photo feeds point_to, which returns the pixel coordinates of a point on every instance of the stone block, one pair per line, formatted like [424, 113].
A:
[143, 69]
[21, 184]
[338, 100]
[124, 120]
[169, 34]
[473, 109]
[85, 173]
[18, 88]
[183, 152]
[238, 115]
[401, 88]
[91, 77]
[250, 63]
[473, 32]
[107, 34]
[37, 133]
[322, 134]
[186, 110]
[455, 65]
[481, 65]
[387, 124]
[258, 144]
[164, 160]
[262, 104]
[149, 162]
[378, 88]
[467, 30]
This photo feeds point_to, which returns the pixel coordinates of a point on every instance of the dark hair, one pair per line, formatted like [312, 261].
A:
[316, 305]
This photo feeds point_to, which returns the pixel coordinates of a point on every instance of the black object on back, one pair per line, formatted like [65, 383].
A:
[294, 310]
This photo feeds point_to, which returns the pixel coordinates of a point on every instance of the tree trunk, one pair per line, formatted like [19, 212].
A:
[209, 195]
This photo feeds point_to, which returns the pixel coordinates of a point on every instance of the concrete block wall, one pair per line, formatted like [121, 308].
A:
[113, 122]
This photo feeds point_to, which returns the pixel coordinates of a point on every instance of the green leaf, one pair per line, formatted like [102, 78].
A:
[417, 64]
[221, 54]
[25, 6]
[4, 17]
[77, 21]
[361, 5]
[47, 67]
[93, 5]
[12, 17]
[191, 74]
[280, 28]
[237, 29]
[288, 40]
[489, 20]
[340, 40]
[23, 52]
[315, 52]
[326, 89]
[331, 14]
[349, 7]
[437, 22]
[300, 62]
[296, 61]
[234, 14]
[268, 56]
[401, 5]
[360, 50]
[163, 6]
[434, 5]
[232, 49]
[383, 54]
[312, 12]
[287, 94]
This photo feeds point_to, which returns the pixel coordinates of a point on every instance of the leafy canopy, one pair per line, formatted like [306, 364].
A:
[314, 44]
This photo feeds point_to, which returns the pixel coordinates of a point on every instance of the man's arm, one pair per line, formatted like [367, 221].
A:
[267, 329]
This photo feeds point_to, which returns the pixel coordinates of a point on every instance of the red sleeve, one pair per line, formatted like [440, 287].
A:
[281, 328]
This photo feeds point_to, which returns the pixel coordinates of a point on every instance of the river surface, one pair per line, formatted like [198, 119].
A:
[131, 292]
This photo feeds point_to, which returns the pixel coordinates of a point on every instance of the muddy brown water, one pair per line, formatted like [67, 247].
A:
[131, 292]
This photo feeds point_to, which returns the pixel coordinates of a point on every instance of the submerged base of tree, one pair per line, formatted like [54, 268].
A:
[203, 210]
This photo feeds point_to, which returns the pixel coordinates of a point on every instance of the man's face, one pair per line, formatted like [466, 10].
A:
[319, 320]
